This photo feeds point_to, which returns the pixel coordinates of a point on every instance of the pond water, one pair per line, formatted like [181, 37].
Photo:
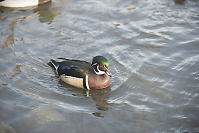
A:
[153, 49]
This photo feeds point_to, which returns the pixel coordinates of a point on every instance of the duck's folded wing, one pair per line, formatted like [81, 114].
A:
[72, 71]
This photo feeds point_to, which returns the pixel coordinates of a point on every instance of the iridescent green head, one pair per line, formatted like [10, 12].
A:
[101, 64]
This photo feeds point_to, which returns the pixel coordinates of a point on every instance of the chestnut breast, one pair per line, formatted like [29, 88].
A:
[98, 81]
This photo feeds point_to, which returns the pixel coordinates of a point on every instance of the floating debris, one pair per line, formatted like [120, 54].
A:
[17, 70]
[117, 24]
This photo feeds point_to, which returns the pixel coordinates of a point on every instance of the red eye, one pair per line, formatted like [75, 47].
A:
[101, 65]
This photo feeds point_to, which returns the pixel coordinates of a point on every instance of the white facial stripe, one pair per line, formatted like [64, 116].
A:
[94, 64]
[99, 71]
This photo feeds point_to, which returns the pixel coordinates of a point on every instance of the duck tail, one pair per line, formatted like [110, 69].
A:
[54, 64]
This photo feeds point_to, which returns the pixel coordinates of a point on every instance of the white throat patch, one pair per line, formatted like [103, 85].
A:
[99, 71]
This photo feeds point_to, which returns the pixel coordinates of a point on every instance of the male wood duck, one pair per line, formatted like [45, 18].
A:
[22, 3]
[82, 74]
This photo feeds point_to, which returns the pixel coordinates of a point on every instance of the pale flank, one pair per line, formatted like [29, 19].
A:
[77, 82]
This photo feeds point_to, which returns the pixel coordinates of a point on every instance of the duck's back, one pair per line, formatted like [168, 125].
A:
[74, 68]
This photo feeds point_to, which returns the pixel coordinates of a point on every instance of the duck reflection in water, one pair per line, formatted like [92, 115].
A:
[99, 96]
[46, 13]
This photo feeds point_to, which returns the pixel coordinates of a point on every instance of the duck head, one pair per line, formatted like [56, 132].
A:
[100, 65]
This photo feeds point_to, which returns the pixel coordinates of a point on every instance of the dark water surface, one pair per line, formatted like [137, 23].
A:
[153, 48]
